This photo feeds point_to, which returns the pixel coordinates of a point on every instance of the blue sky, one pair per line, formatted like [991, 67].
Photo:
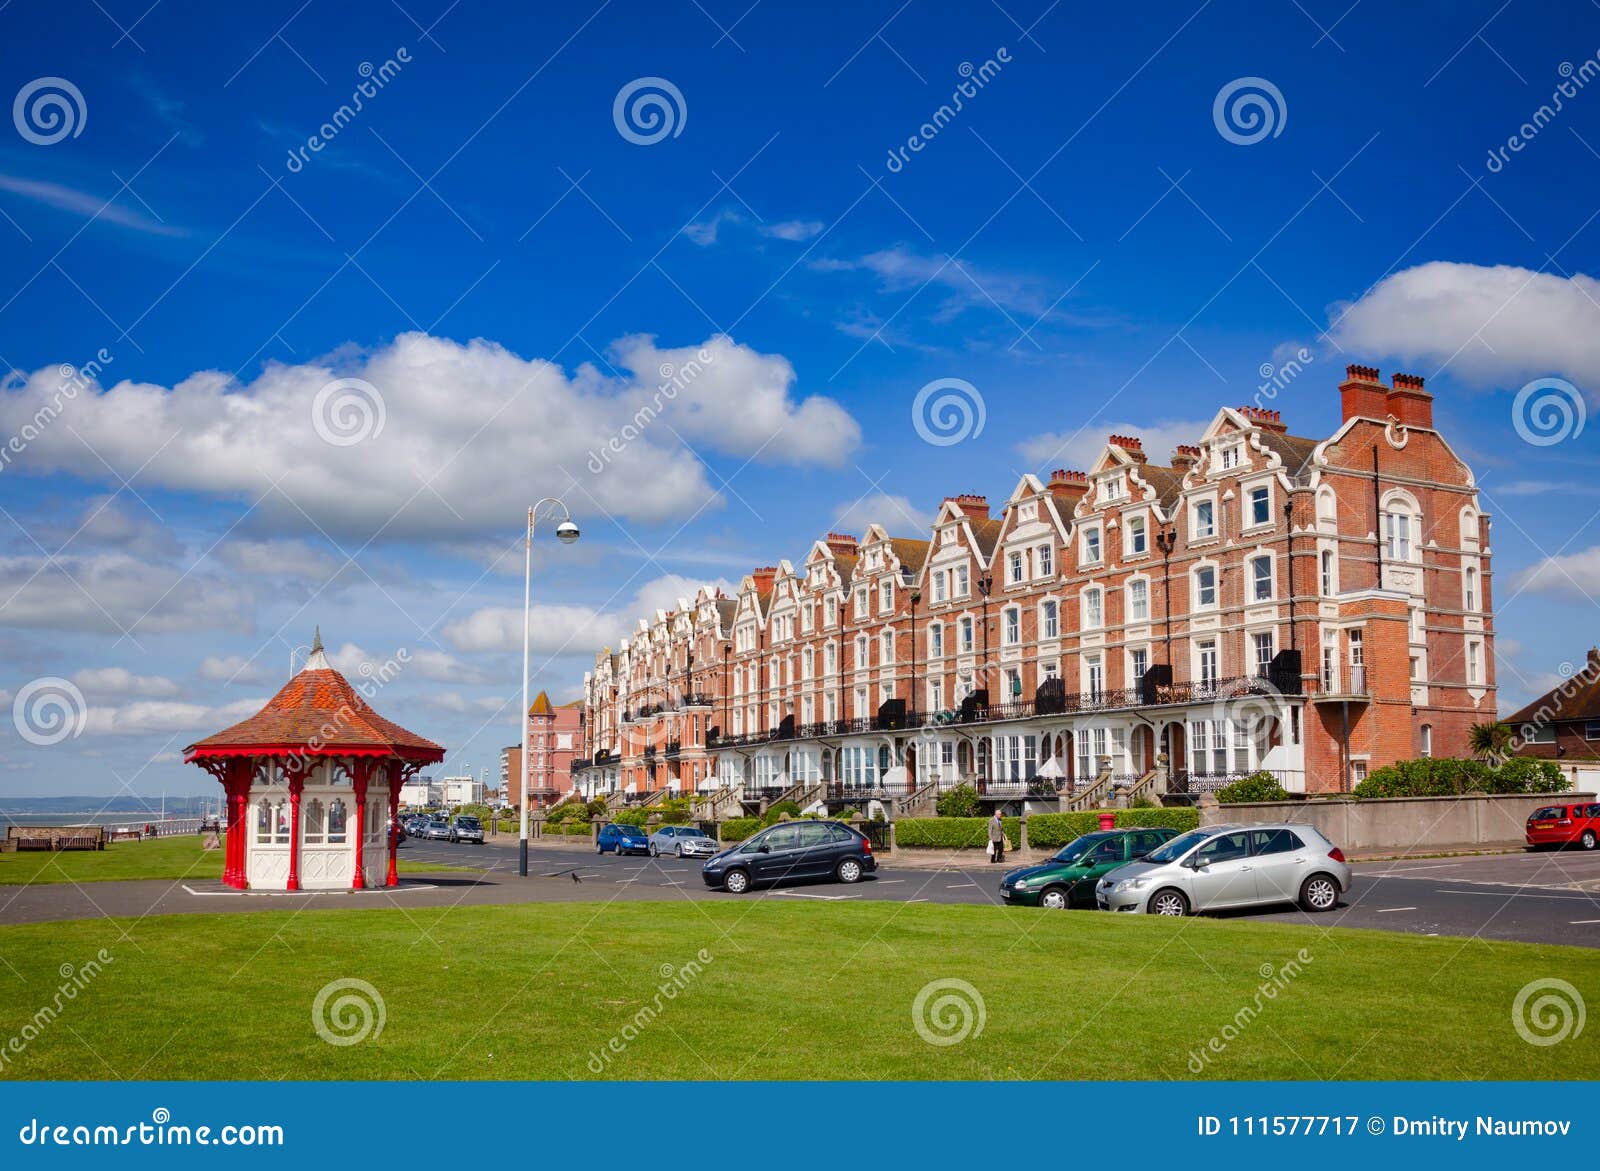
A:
[484, 250]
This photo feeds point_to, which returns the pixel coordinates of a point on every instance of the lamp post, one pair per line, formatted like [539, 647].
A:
[985, 587]
[568, 533]
[1166, 541]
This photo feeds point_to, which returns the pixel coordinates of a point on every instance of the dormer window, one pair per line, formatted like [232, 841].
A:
[1228, 457]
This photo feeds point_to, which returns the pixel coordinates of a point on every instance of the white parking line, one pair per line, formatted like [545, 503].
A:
[1390, 910]
[795, 894]
[1581, 922]
[954, 885]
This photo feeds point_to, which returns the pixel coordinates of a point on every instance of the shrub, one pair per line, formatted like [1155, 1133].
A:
[961, 801]
[1449, 777]
[778, 809]
[631, 817]
[1050, 831]
[737, 829]
[952, 833]
[1261, 786]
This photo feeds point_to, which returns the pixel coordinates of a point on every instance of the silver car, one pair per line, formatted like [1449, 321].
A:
[1222, 866]
[684, 841]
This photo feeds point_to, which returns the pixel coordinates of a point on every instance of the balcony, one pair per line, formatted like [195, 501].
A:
[1147, 695]
[1347, 688]
[674, 749]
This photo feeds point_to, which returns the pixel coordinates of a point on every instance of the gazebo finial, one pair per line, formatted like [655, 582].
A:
[317, 660]
[316, 639]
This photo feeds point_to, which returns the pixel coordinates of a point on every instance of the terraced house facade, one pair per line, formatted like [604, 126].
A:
[1311, 607]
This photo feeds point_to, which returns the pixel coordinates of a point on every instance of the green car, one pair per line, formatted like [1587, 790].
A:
[1068, 879]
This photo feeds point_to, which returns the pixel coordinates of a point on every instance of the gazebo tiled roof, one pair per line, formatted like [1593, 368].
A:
[317, 713]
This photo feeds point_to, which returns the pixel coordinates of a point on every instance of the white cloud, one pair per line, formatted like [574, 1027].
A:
[1077, 450]
[152, 717]
[1490, 325]
[965, 286]
[576, 630]
[110, 682]
[455, 417]
[1533, 488]
[282, 558]
[359, 664]
[1572, 576]
[795, 230]
[895, 513]
[70, 199]
[113, 593]
[233, 669]
[457, 704]
[108, 523]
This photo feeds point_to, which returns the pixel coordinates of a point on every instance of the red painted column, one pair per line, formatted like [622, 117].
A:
[232, 866]
[296, 786]
[394, 813]
[363, 771]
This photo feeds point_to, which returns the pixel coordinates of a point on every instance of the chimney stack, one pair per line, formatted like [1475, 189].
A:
[842, 545]
[1185, 456]
[1362, 396]
[1266, 419]
[1132, 444]
[1409, 403]
[763, 577]
[1068, 487]
[972, 506]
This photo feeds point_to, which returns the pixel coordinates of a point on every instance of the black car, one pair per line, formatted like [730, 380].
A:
[792, 850]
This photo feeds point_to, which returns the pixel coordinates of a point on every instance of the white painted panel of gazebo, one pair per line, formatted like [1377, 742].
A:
[267, 869]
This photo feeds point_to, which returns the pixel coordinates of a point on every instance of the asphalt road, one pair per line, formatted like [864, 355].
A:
[1538, 898]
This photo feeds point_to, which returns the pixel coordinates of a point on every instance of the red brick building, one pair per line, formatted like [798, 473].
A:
[1563, 725]
[555, 736]
[1312, 607]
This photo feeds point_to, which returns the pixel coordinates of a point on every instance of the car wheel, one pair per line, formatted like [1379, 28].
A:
[1055, 898]
[849, 871]
[1168, 902]
[736, 882]
[655, 851]
[599, 849]
[680, 853]
[1588, 840]
[1319, 893]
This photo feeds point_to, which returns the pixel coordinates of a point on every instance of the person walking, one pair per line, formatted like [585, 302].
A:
[997, 838]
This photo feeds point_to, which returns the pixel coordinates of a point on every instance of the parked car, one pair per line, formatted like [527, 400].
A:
[399, 828]
[622, 839]
[1564, 825]
[466, 829]
[435, 830]
[1230, 866]
[1068, 879]
[684, 841]
[416, 824]
[791, 850]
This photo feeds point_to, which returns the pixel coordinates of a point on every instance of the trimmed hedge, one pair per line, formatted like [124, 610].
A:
[737, 829]
[1050, 831]
[953, 833]
[1446, 776]
[1260, 786]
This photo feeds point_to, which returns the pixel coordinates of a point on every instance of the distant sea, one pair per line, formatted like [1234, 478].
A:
[113, 811]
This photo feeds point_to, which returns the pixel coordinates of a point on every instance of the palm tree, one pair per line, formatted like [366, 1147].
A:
[1490, 740]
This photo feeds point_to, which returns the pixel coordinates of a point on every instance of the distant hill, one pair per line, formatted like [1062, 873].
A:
[175, 806]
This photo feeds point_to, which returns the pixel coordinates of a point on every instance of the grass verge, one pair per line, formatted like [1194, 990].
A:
[168, 858]
[787, 989]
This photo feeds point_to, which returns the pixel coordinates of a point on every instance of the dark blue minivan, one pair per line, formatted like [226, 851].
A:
[792, 850]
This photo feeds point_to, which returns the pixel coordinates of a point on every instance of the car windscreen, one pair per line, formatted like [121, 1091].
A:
[1179, 846]
[1076, 848]
[467, 822]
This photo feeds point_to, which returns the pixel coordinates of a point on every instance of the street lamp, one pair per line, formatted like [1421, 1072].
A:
[567, 532]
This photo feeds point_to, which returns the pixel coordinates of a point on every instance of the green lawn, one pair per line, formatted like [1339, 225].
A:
[178, 857]
[792, 989]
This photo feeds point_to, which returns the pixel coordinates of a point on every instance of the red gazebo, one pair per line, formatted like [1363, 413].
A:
[313, 786]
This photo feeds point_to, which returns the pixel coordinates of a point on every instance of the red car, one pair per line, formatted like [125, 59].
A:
[1564, 825]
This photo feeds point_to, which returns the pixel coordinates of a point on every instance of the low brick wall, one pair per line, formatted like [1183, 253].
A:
[1401, 823]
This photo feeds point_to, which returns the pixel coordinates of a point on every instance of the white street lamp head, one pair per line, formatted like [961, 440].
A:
[567, 532]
